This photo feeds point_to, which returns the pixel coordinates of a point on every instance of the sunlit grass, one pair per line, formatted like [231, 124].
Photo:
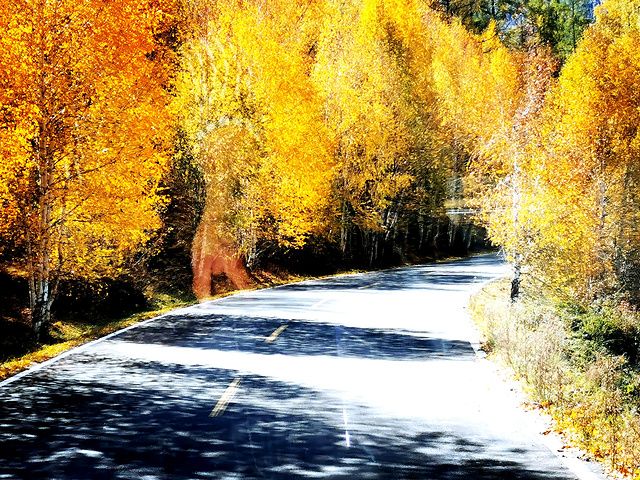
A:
[71, 333]
[565, 358]
[68, 334]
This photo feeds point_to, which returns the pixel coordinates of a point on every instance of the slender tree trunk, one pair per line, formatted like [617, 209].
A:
[574, 39]
[452, 231]
[345, 223]
[373, 249]
[344, 229]
[420, 230]
[39, 240]
[42, 301]
[42, 285]
[515, 281]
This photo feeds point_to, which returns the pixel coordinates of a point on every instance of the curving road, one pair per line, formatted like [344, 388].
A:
[369, 376]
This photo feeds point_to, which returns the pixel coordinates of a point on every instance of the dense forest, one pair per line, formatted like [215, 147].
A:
[150, 137]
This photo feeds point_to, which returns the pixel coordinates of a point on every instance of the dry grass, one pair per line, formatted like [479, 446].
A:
[576, 364]
[70, 334]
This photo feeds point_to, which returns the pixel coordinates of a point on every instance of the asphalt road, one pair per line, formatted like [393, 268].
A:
[355, 377]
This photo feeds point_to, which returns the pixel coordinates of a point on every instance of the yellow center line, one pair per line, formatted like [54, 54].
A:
[227, 396]
[275, 334]
[369, 286]
[321, 302]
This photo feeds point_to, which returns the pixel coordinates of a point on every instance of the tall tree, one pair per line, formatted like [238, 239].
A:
[557, 24]
[373, 68]
[82, 128]
[594, 138]
[490, 102]
[252, 114]
[477, 14]
[563, 178]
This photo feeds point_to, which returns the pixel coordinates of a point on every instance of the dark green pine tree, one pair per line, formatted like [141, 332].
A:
[558, 24]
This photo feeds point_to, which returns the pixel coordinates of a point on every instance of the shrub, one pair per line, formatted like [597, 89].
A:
[581, 361]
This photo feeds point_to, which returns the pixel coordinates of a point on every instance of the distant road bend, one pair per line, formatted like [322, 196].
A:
[370, 376]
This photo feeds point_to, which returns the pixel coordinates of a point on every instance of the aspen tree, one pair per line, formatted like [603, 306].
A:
[82, 130]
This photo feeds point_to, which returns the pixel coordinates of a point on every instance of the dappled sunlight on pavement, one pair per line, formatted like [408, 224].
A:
[361, 376]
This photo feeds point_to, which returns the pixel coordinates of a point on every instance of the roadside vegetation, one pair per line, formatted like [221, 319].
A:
[96, 312]
[20, 352]
[182, 147]
[582, 364]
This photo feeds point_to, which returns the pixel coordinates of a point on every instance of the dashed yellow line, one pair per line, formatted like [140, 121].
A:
[227, 396]
[321, 302]
[233, 388]
[368, 286]
[275, 334]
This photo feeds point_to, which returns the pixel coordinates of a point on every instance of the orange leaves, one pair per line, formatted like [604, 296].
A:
[478, 83]
[369, 70]
[83, 128]
[592, 152]
[343, 112]
[560, 160]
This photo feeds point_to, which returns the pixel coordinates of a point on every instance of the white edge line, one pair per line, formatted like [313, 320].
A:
[574, 464]
[84, 346]
[475, 343]
[79, 348]
[46, 363]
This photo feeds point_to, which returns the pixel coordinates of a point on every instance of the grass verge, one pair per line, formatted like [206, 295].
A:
[72, 332]
[69, 334]
[580, 363]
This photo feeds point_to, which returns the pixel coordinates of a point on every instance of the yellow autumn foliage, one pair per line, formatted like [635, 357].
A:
[586, 172]
[82, 132]
[246, 70]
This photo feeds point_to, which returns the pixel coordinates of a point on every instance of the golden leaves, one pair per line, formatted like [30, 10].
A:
[247, 65]
[86, 114]
[562, 157]
[593, 119]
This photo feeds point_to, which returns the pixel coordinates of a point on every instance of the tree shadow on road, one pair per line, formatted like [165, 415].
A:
[302, 338]
[157, 425]
[443, 276]
[96, 415]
